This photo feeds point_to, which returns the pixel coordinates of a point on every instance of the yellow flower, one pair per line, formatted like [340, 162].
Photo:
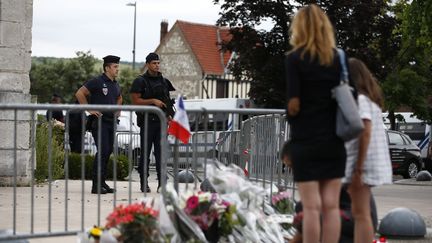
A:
[96, 232]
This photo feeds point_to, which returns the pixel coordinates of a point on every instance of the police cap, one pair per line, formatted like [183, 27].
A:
[111, 59]
[152, 57]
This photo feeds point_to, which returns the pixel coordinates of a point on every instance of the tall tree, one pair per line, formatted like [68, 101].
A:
[410, 81]
[64, 76]
[363, 28]
[61, 76]
[259, 53]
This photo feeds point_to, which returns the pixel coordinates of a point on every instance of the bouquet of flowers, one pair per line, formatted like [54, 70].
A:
[255, 225]
[136, 222]
[284, 209]
[283, 203]
[213, 215]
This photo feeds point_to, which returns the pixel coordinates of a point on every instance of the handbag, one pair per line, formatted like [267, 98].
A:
[349, 125]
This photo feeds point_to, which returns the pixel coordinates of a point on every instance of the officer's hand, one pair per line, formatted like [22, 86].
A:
[159, 103]
[96, 113]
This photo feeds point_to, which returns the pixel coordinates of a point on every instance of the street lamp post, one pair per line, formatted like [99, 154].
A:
[134, 34]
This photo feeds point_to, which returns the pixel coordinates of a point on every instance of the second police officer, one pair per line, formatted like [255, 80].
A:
[151, 88]
[104, 90]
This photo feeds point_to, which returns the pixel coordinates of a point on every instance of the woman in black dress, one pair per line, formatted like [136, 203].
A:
[318, 155]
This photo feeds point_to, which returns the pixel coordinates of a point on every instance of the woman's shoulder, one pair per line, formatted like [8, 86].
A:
[365, 100]
[294, 53]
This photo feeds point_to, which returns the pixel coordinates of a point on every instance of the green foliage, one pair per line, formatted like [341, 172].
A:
[42, 155]
[65, 76]
[410, 82]
[75, 166]
[126, 77]
[260, 53]
[61, 76]
[417, 24]
[364, 28]
[57, 157]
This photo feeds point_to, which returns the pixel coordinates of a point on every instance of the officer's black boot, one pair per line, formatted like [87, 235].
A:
[142, 185]
[159, 185]
[107, 188]
[95, 189]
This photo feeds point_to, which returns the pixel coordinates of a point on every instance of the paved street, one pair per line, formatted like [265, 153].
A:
[402, 194]
[409, 195]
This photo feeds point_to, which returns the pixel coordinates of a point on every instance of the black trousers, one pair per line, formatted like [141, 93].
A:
[75, 141]
[105, 149]
[153, 139]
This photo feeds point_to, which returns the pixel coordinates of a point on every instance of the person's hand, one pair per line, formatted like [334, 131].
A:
[95, 113]
[117, 113]
[159, 103]
[287, 161]
[356, 180]
[293, 106]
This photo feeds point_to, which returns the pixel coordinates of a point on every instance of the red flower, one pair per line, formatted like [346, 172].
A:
[127, 214]
[192, 202]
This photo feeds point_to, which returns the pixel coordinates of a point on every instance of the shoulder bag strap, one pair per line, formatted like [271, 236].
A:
[344, 74]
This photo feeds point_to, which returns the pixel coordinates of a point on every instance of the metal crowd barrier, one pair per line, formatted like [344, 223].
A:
[60, 207]
[248, 138]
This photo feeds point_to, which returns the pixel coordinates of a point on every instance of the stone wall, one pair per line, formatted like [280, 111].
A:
[15, 62]
[179, 65]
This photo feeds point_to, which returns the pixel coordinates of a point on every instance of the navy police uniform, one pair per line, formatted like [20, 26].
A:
[150, 87]
[106, 92]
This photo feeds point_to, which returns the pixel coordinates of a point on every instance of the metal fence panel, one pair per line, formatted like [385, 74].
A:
[248, 138]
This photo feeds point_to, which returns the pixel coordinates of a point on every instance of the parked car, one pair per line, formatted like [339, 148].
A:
[404, 154]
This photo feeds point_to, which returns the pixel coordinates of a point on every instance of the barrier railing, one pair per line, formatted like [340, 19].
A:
[53, 204]
[253, 145]
[248, 138]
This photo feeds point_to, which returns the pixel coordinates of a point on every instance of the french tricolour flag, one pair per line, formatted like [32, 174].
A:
[179, 125]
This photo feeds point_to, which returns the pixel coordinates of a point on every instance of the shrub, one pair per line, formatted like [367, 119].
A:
[57, 152]
[75, 166]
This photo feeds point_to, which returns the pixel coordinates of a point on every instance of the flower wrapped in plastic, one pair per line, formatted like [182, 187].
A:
[283, 203]
[136, 223]
[214, 216]
[249, 198]
[187, 229]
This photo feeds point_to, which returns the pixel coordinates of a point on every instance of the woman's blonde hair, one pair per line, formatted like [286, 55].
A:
[311, 30]
[365, 82]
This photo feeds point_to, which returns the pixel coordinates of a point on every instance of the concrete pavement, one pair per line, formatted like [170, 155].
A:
[401, 194]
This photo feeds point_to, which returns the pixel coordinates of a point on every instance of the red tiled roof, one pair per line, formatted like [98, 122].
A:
[203, 40]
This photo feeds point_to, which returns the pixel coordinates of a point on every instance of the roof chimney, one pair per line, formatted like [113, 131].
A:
[164, 29]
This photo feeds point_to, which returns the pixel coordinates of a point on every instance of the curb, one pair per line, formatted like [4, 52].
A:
[413, 182]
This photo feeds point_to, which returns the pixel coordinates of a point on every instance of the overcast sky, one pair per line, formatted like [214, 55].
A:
[63, 27]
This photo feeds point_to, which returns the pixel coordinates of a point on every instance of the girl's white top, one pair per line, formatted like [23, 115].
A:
[377, 169]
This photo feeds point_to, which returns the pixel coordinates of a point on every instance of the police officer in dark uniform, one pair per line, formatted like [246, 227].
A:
[151, 88]
[57, 115]
[103, 89]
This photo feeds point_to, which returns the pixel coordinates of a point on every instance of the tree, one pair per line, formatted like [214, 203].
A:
[61, 76]
[410, 82]
[363, 28]
[126, 77]
[259, 53]
[64, 76]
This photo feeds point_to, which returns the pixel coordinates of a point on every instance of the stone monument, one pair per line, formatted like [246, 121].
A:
[15, 62]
